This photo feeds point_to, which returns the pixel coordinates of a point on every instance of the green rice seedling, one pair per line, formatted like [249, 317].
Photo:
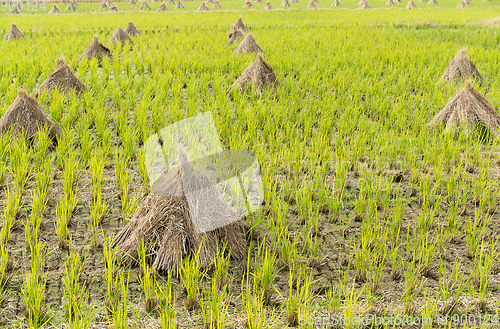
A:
[147, 278]
[20, 157]
[42, 147]
[299, 296]
[64, 209]
[483, 263]
[97, 210]
[65, 145]
[191, 276]
[265, 272]
[76, 298]
[96, 171]
[166, 306]
[353, 307]
[70, 175]
[221, 263]
[429, 310]
[10, 210]
[6, 267]
[119, 315]
[142, 169]
[412, 286]
[256, 313]
[334, 298]
[215, 303]
[33, 289]
[112, 279]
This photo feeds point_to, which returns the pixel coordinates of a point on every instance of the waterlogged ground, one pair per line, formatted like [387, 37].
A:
[389, 218]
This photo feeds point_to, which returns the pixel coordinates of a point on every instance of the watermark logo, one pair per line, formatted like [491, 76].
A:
[186, 159]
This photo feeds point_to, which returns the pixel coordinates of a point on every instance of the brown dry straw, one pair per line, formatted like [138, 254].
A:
[179, 5]
[114, 9]
[62, 78]
[469, 108]
[411, 5]
[259, 74]
[163, 7]
[216, 4]
[268, 6]
[365, 5]
[95, 50]
[248, 4]
[14, 33]
[389, 3]
[461, 5]
[234, 35]
[336, 3]
[170, 2]
[285, 4]
[132, 3]
[103, 6]
[248, 45]
[71, 7]
[25, 116]
[55, 10]
[240, 25]
[461, 68]
[131, 29]
[433, 2]
[164, 223]
[120, 36]
[312, 6]
[145, 6]
[203, 7]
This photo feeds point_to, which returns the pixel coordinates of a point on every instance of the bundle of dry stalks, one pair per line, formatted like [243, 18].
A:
[71, 7]
[55, 10]
[312, 6]
[132, 3]
[470, 109]
[336, 3]
[389, 3]
[14, 33]
[119, 35]
[24, 117]
[461, 68]
[95, 50]
[365, 5]
[216, 4]
[203, 7]
[103, 6]
[240, 25]
[411, 5]
[461, 5]
[433, 2]
[179, 5]
[163, 7]
[62, 78]
[285, 4]
[131, 29]
[248, 4]
[114, 9]
[248, 45]
[234, 35]
[164, 223]
[268, 6]
[259, 74]
[145, 6]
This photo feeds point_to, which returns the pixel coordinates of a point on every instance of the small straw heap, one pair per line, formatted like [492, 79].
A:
[55, 10]
[95, 50]
[14, 33]
[132, 3]
[234, 35]
[103, 6]
[216, 4]
[164, 223]
[433, 2]
[163, 7]
[470, 109]
[336, 3]
[131, 29]
[311, 6]
[145, 6]
[268, 6]
[411, 5]
[248, 45]
[203, 7]
[240, 25]
[113, 9]
[248, 4]
[179, 5]
[364, 5]
[461, 68]
[120, 36]
[461, 5]
[62, 78]
[259, 74]
[25, 116]
[389, 3]
[170, 2]
[71, 7]
[285, 4]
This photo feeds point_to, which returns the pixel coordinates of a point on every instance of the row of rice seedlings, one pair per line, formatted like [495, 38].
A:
[97, 205]
[33, 289]
[191, 275]
[122, 180]
[76, 298]
[166, 304]
[147, 278]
